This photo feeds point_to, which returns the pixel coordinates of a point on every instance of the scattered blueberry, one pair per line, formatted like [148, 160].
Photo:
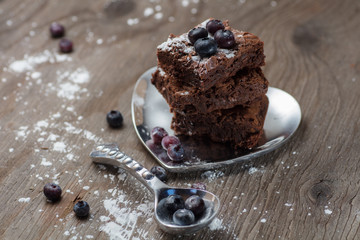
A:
[197, 33]
[57, 30]
[157, 134]
[199, 185]
[205, 47]
[172, 203]
[52, 192]
[167, 141]
[214, 25]
[159, 172]
[183, 217]
[176, 152]
[81, 209]
[114, 119]
[65, 45]
[224, 39]
[196, 204]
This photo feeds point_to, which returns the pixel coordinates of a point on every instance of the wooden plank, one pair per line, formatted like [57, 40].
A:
[53, 108]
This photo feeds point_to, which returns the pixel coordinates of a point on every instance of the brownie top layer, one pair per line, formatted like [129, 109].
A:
[182, 58]
[182, 43]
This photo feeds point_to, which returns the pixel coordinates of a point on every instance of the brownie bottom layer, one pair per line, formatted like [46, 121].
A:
[242, 126]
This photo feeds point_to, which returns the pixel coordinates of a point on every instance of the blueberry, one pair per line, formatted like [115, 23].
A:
[65, 45]
[114, 119]
[157, 134]
[167, 141]
[224, 39]
[214, 25]
[183, 217]
[57, 30]
[172, 203]
[81, 209]
[197, 33]
[52, 192]
[163, 157]
[199, 185]
[205, 47]
[155, 148]
[176, 152]
[159, 172]
[195, 204]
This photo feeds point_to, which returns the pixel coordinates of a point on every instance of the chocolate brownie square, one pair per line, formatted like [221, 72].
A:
[242, 126]
[177, 56]
[241, 89]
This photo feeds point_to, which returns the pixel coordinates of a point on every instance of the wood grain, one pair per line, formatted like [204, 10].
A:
[308, 189]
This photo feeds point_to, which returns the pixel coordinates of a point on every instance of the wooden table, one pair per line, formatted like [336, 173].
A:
[53, 109]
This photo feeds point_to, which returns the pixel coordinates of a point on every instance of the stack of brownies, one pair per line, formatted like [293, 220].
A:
[212, 81]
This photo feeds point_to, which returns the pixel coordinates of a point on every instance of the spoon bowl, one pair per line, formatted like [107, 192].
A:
[149, 109]
[111, 155]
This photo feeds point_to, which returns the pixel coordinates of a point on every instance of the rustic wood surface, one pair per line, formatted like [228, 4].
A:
[53, 108]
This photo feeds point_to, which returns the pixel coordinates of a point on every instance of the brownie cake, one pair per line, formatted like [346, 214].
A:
[212, 80]
[239, 125]
[178, 57]
[241, 89]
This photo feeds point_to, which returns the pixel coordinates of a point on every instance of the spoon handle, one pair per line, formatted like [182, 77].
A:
[110, 154]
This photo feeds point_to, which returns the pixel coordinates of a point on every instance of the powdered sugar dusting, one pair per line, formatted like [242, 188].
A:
[133, 21]
[253, 170]
[59, 147]
[216, 224]
[212, 175]
[69, 83]
[228, 53]
[182, 44]
[148, 12]
[28, 63]
[45, 163]
[24, 200]
[327, 211]
[121, 223]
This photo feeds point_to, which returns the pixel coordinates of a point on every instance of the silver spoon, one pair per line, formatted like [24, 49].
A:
[149, 109]
[111, 155]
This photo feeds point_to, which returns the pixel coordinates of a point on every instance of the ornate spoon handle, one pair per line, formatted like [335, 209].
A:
[110, 154]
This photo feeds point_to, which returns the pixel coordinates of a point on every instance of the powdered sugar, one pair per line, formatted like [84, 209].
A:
[253, 170]
[71, 89]
[228, 53]
[327, 211]
[132, 21]
[28, 63]
[216, 224]
[59, 147]
[158, 15]
[184, 93]
[45, 163]
[212, 175]
[148, 12]
[122, 221]
[183, 45]
[24, 200]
